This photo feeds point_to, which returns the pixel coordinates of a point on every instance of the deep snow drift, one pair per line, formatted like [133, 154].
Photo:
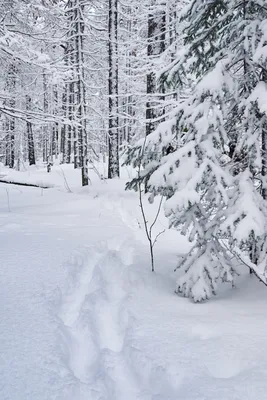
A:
[83, 318]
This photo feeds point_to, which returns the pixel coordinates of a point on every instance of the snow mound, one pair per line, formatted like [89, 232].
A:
[224, 366]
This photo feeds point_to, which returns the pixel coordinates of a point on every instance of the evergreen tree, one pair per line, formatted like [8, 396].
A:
[246, 126]
[216, 137]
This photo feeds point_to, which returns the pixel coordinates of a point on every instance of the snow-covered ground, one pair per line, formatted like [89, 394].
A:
[83, 318]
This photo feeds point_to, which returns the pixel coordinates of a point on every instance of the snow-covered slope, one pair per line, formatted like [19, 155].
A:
[83, 318]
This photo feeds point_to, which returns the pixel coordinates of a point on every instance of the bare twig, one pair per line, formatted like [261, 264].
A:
[101, 177]
[156, 216]
[148, 230]
[157, 236]
[65, 181]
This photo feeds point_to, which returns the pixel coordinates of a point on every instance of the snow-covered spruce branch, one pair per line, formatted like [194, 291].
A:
[246, 261]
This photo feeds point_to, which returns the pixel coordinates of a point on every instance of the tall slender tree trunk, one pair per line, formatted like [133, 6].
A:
[151, 78]
[69, 59]
[31, 153]
[156, 32]
[10, 121]
[65, 109]
[82, 151]
[55, 131]
[45, 126]
[113, 122]
[264, 149]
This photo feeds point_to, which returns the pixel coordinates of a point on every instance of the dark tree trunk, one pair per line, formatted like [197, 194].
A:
[10, 121]
[55, 133]
[12, 143]
[31, 153]
[82, 150]
[113, 123]
[151, 79]
[156, 32]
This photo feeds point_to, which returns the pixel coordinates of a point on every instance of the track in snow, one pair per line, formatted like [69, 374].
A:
[95, 323]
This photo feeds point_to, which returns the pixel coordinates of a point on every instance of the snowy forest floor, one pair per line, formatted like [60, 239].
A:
[83, 318]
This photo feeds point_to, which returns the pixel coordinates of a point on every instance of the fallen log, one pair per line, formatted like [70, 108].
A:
[41, 186]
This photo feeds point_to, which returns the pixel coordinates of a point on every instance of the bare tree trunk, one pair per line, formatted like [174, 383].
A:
[64, 128]
[156, 31]
[70, 139]
[151, 79]
[264, 149]
[82, 150]
[76, 93]
[10, 121]
[31, 153]
[55, 133]
[45, 127]
[113, 125]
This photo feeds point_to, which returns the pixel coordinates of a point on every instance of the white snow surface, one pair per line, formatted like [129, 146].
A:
[83, 318]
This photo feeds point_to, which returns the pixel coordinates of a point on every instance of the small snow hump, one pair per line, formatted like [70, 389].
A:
[223, 366]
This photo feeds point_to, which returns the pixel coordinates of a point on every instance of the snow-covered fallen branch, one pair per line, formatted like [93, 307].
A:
[11, 182]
